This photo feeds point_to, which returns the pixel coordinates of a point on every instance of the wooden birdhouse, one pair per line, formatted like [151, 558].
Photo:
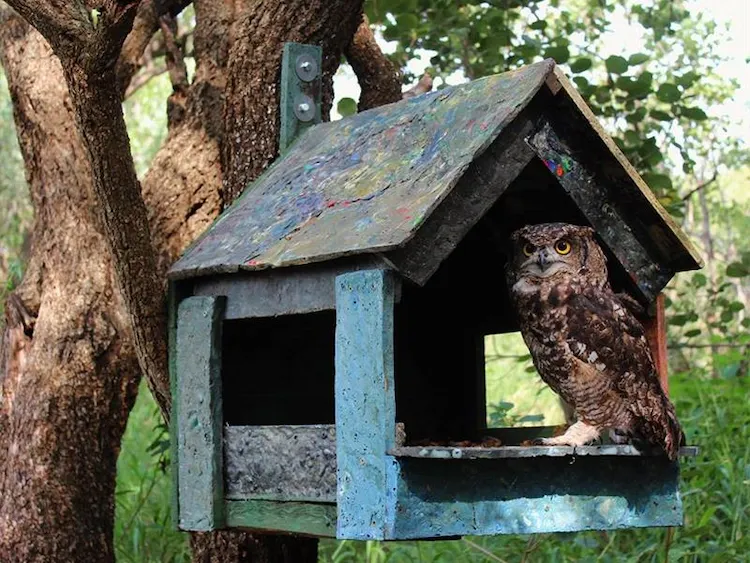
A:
[334, 318]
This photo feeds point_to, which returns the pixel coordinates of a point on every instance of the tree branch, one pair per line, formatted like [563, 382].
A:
[145, 25]
[699, 187]
[177, 70]
[379, 79]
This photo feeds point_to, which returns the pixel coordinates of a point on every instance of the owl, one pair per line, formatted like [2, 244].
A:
[585, 341]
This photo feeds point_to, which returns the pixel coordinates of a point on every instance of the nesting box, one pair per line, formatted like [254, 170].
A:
[334, 317]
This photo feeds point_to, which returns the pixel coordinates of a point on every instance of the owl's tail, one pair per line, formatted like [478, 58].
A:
[674, 436]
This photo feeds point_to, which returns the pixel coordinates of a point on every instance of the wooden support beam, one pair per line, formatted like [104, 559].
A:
[365, 401]
[199, 419]
[656, 334]
[307, 519]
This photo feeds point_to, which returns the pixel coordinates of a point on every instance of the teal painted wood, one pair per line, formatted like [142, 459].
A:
[305, 518]
[365, 402]
[172, 301]
[370, 179]
[296, 91]
[440, 498]
[199, 419]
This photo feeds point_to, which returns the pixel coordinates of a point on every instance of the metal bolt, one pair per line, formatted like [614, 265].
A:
[306, 66]
[304, 107]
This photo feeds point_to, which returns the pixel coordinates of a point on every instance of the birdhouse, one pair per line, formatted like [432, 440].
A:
[328, 329]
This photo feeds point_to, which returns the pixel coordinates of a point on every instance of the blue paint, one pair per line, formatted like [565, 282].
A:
[365, 402]
[443, 498]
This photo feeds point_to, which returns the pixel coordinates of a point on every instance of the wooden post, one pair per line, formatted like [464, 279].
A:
[656, 334]
[198, 410]
[301, 83]
[365, 401]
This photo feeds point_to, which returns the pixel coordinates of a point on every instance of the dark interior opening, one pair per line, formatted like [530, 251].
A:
[279, 370]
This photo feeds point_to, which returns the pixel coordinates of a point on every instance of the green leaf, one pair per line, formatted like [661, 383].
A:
[560, 54]
[346, 107]
[692, 333]
[407, 21]
[632, 138]
[616, 64]
[580, 65]
[737, 270]
[660, 115]
[679, 320]
[696, 114]
[736, 306]
[688, 79]
[699, 280]
[539, 24]
[638, 58]
[657, 181]
[668, 92]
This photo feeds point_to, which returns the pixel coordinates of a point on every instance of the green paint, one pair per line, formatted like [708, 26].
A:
[199, 418]
[315, 519]
[172, 300]
[292, 86]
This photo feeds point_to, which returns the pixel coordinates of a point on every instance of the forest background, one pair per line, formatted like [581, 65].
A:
[670, 81]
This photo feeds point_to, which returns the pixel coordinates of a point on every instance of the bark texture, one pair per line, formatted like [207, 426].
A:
[379, 79]
[72, 338]
[69, 373]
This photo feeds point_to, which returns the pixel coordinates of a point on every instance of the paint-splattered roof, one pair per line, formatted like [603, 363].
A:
[365, 183]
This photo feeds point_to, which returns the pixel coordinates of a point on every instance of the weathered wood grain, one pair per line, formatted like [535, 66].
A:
[293, 291]
[503, 452]
[312, 519]
[199, 447]
[365, 401]
[283, 463]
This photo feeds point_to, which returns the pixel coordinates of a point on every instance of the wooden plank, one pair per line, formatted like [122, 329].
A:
[293, 291]
[295, 90]
[533, 495]
[365, 402]
[292, 517]
[675, 230]
[199, 420]
[174, 294]
[283, 463]
[503, 452]
[656, 334]
[593, 198]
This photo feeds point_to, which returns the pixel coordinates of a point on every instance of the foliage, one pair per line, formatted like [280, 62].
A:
[654, 100]
[144, 531]
[15, 207]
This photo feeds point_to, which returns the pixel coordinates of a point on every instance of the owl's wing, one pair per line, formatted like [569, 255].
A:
[604, 334]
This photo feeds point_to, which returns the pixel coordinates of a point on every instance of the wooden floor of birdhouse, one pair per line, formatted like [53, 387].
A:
[502, 452]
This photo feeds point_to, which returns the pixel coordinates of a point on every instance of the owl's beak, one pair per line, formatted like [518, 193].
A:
[543, 260]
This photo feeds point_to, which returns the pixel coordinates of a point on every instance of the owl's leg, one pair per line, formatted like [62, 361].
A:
[578, 434]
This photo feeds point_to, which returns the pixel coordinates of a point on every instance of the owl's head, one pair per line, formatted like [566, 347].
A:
[551, 250]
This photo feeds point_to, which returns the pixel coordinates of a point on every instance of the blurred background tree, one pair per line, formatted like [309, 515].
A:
[654, 71]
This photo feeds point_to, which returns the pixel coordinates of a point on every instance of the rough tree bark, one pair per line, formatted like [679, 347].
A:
[69, 374]
[69, 369]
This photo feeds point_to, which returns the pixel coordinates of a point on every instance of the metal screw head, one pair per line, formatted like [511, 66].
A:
[304, 108]
[306, 68]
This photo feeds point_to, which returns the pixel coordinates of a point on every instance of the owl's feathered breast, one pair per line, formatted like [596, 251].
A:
[587, 346]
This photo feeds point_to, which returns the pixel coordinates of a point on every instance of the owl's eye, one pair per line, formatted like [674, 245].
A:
[528, 249]
[562, 247]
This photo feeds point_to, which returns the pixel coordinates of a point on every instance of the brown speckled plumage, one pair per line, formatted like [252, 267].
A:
[585, 341]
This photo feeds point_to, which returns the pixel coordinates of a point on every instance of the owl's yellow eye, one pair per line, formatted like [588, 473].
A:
[528, 249]
[562, 247]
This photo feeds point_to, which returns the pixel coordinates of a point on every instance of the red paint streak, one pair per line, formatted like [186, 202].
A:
[559, 171]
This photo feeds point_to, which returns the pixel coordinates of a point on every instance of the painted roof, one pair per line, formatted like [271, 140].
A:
[365, 183]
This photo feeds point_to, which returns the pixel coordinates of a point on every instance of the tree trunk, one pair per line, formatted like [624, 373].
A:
[70, 370]
[69, 373]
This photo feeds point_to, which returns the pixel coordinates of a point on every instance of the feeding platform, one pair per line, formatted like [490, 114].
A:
[334, 318]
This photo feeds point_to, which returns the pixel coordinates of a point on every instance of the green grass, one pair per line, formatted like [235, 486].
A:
[143, 522]
[715, 488]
